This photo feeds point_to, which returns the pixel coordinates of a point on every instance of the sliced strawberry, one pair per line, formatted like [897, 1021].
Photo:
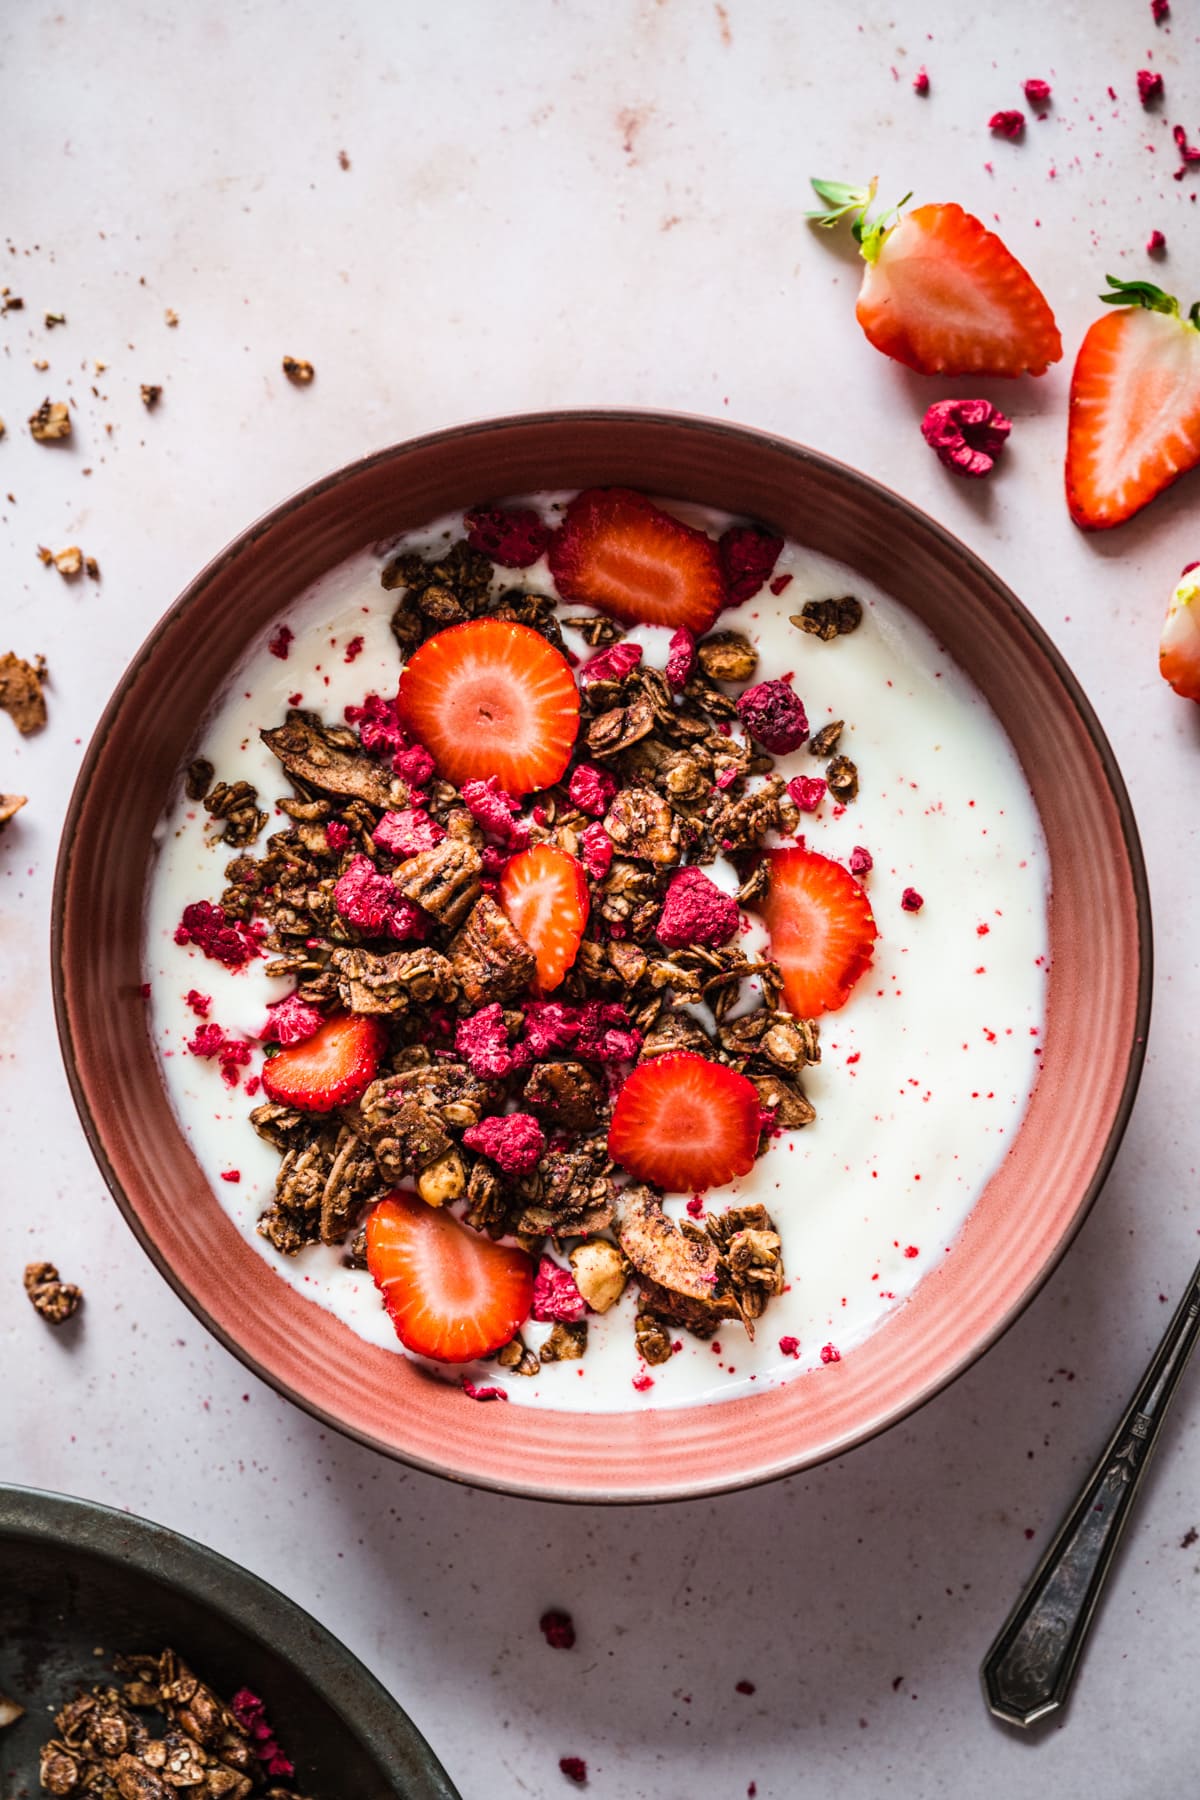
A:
[331, 1068]
[822, 931]
[685, 1123]
[618, 551]
[942, 294]
[1179, 650]
[492, 698]
[451, 1294]
[1134, 415]
[544, 892]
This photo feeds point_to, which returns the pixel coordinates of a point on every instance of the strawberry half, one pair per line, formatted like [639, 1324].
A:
[617, 551]
[942, 294]
[544, 892]
[685, 1123]
[332, 1068]
[491, 698]
[451, 1294]
[1133, 423]
[1179, 650]
[822, 931]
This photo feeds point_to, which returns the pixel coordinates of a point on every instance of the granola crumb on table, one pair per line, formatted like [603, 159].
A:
[55, 1299]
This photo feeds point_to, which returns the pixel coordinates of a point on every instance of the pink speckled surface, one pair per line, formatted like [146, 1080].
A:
[583, 205]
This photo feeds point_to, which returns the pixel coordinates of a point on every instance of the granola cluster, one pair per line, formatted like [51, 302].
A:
[380, 897]
[208, 1749]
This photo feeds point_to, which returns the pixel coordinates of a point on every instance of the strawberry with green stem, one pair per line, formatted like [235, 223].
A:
[1133, 423]
[940, 292]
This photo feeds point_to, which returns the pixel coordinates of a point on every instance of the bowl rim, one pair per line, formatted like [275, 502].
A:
[40, 1516]
[889, 501]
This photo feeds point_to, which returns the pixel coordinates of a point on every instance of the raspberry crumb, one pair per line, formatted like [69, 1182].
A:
[612, 664]
[281, 643]
[643, 1383]
[807, 791]
[592, 788]
[596, 851]
[482, 1042]
[378, 725]
[911, 901]
[829, 1354]
[861, 861]
[220, 938]
[912, 1251]
[1010, 125]
[695, 1206]
[1160, 10]
[231, 1174]
[780, 582]
[514, 1141]
[556, 1299]
[558, 1629]
[789, 1346]
[745, 1687]
[681, 658]
[354, 649]
[774, 716]
[514, 537]
[474, 1392]
[921, 80]
[1037, 92]
[967, 435]
[414, 765]
[251, 1715]
[1188, 153]
[574, 1768]
[198, 1002]
[490, 806]
[1156, 243]
[364, 897]
[747, 557]
[337, 834]
[1149, 86]
[696, 912]
[406, 833]
[292, 1021]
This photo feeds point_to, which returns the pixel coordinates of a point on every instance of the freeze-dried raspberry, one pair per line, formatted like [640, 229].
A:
[773, 714]
[337, 834]
[1010, 125]
[1149, 85]
[231, 1054]
[747, 556]
[251, 1715]
[807, 791]
[414, 765]
[591, 789]
[292, 1021]
[558, 1629]
[549, 1025]
[911, 901]
[967, 435]
[555, 1295]
[407, 833]
[354, 650]
[225, 940]
[281, 643]
[514, 536]
[1188, 153]
[378, 725]
[1037, 92]
[1160, 10]
[596, 851]
[574, 1767]
[921, 80]
[198, 1002]
[365, 898]
[696, 912]
[474, 1392]
[513, 1141]
[1156, 243]
[643, 1383]
[681, 658]
[482, 1042]
[231, 1175]
[829, 1354]
[861, 861]
[611, 664]
[490, 806]
[605, 1034]
[790, 1346]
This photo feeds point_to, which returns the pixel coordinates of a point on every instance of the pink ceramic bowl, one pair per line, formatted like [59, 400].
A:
[1100, 940]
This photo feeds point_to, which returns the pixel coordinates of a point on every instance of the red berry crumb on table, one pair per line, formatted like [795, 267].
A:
[1010, 125]
[1037, 92]
[966, 435]
[1149, 86]
[921, 80]
[558, 1629]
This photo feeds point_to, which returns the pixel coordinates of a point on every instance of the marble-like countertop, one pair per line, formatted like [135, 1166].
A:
[579, 203]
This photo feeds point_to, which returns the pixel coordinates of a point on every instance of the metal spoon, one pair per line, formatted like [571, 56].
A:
[1029, 1669]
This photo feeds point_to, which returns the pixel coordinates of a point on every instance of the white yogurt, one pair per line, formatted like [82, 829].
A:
[925, 1073]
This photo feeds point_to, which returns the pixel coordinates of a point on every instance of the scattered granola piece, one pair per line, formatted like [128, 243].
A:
[911, 901]
[68, 562]
[21, 694]
[10, 1711]
[1009, 124]
[151, 394]
[823, 743]
[558, 1629]
[343, 160]
[51, 422]
[1149, 86]
[842, 776]
[727, 656]
[967, 435]
[298, 372]
[10, 806]
[41, 364]
[171, 317]
[600, 1272]
[566, 1343]
[828, 619]
[56, 1300]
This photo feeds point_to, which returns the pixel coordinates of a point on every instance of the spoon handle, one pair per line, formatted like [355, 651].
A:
[1029, 1669]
